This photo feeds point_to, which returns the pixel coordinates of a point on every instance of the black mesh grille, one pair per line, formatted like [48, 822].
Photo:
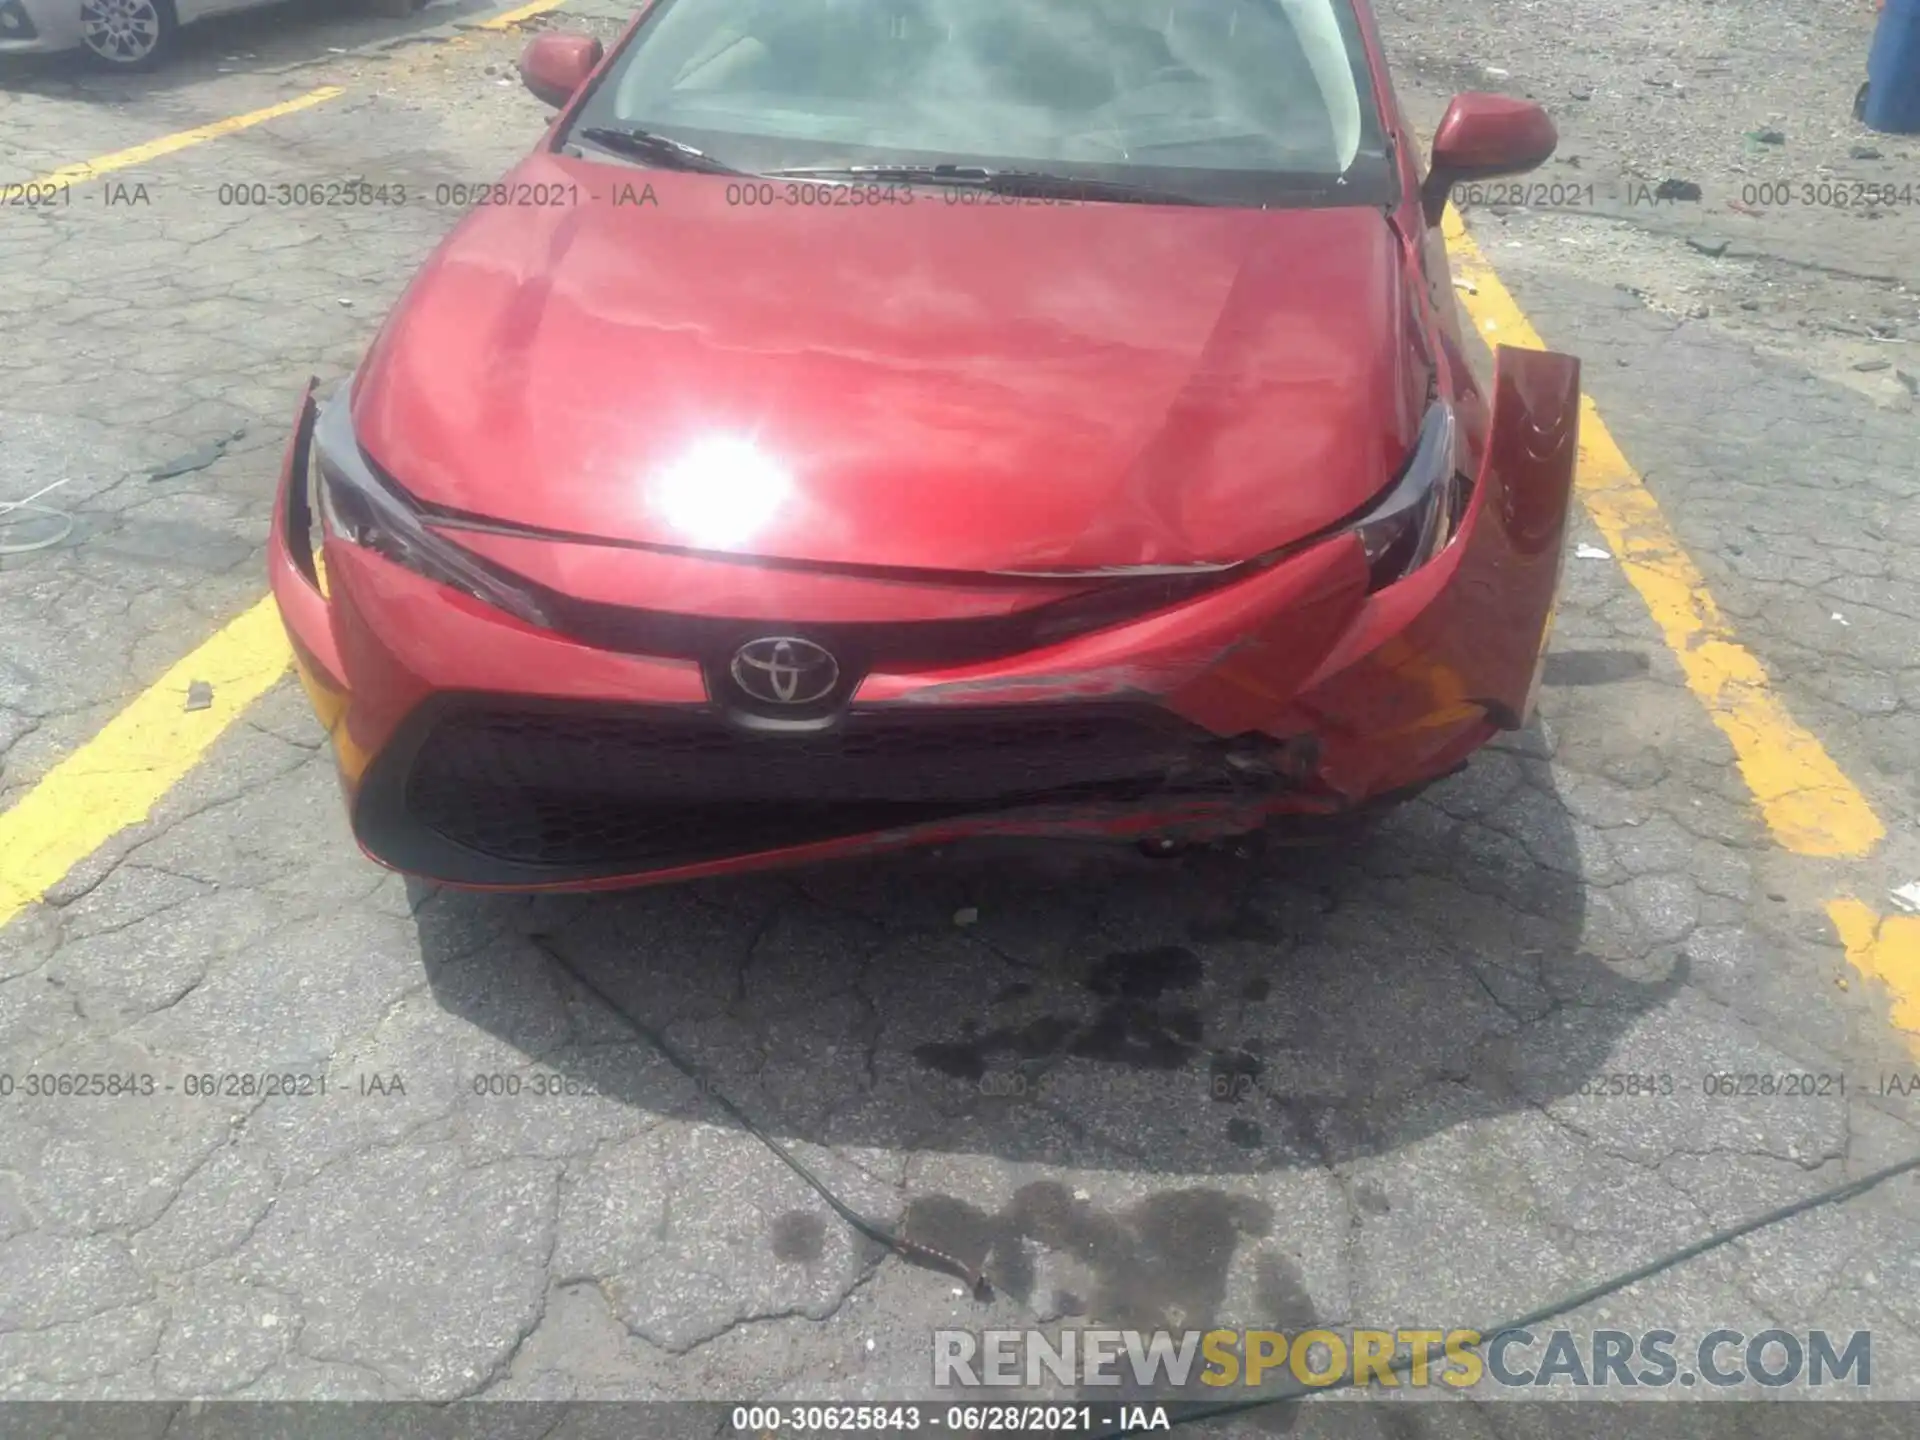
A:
[568, 788]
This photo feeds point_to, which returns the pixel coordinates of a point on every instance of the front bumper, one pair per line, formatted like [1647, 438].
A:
[477, 750]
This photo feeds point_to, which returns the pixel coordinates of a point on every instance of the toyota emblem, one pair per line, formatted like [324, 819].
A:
[785, 670]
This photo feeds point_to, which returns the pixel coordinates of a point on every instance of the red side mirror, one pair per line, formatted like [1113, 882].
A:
[555, 66]
[1482, 136]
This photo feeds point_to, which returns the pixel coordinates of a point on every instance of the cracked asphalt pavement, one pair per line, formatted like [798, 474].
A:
[1250, 1085]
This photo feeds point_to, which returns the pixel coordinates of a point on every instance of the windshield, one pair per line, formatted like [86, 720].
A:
[1260, 97]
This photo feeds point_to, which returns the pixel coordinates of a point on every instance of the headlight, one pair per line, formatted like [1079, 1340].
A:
[1413, 521]
[357, 506]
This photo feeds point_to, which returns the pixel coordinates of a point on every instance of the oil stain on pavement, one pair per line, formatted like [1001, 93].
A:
[1129, 1028]
[1161, 1264]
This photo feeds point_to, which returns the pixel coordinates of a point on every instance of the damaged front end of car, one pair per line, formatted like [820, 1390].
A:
[1309, 686]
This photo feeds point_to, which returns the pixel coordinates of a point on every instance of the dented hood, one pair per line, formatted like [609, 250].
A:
[932, 384]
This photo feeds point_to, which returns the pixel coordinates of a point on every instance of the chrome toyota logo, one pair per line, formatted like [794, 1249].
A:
[785, 670]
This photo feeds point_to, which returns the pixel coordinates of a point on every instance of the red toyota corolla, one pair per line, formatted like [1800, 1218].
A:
[864, 423]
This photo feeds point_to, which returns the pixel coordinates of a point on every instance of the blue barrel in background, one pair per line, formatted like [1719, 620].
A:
[1893, 71]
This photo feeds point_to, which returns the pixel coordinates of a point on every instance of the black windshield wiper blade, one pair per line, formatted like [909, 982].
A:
[655, 149]
[1037, 184]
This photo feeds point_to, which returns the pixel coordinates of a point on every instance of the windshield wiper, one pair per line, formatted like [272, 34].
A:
[1034, 184]
[655, 149]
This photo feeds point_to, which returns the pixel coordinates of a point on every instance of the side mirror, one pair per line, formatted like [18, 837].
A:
[1482, 136]
[555, 66]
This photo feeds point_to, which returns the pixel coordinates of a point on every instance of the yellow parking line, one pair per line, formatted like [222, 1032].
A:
[1811, 807]
[115, 779]
[1887, 950]
[525, 12]
[167, 144]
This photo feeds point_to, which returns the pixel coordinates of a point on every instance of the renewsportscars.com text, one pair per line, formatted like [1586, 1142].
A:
[1458, 1359]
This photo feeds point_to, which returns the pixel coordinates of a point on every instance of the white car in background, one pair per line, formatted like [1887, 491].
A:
[121, 34]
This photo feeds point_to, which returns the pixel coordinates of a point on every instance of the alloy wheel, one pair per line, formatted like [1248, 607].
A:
[123, 32]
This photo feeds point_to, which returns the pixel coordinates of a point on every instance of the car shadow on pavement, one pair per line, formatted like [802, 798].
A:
[1118, 1087]
[272, 37]
[1243, 1010]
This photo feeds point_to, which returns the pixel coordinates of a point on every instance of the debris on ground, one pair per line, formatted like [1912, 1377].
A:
[966, 915]
[1907, 897]
[200, 695]
[1584, 551]
[1712, 249]
[194, 460]
[1676, 190]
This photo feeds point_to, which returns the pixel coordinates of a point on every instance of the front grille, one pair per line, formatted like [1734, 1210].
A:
[862, 644]
[571, 788]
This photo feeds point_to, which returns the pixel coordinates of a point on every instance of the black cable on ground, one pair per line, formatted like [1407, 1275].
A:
[1837, 1195]
[901, 1245]
[977, 1282]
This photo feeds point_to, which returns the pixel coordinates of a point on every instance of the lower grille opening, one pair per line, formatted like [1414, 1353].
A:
[604, 789]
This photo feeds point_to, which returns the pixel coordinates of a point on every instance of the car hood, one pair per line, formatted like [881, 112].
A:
[926, 384]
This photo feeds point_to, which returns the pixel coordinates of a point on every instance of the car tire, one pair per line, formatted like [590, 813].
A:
[127, 34]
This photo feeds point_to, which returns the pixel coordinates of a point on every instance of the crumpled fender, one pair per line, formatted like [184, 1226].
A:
[1435, 664]
[1533, 452]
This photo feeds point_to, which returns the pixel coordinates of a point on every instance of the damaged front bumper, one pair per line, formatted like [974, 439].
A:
[480, 751]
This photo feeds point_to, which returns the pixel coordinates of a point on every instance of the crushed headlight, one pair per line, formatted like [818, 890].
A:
[1421, 510]
[360, 508]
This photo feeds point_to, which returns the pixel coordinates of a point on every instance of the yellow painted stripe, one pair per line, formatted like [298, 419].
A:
[167, 144]
[1811, 807]
[116, 778]
[525, 12]
[1887, 950]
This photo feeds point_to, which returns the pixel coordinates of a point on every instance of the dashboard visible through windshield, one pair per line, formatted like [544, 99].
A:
[1251, 101]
